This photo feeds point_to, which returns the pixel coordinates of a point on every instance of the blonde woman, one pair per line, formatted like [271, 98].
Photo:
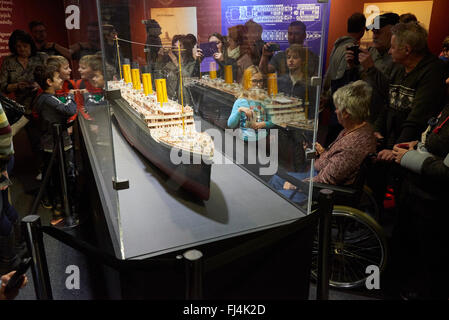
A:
[247, 114]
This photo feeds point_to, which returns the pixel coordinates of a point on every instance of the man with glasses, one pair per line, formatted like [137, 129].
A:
[39, 34]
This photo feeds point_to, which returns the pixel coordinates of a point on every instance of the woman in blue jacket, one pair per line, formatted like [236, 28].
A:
[249, 115]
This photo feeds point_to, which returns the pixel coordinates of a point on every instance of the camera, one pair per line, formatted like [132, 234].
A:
[273, 47]
[355, 50]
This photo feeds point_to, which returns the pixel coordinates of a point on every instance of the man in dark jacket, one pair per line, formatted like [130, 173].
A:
[416, 90]
[337, 59]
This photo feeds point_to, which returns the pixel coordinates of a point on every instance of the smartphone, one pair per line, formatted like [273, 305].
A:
[274, 47]
[355, 50]
[17, 279]
[209, 48]
[403, 145]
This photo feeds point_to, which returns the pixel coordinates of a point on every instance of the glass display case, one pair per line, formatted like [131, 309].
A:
[206, 106]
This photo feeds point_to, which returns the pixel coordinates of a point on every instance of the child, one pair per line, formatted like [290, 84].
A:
[51, 111]
[62, 65]
[249, 115]
[296, 82]
[87, 65]
[293, 83]
[99, 82]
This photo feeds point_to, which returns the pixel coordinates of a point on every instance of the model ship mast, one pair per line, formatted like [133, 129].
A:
[168, 121]
[161, 86]
[180, 88]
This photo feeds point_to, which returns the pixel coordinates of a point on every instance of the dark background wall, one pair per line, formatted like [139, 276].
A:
[208, 16]
[51, 13]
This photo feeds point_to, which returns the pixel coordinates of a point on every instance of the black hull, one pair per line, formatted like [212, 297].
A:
[194, 178]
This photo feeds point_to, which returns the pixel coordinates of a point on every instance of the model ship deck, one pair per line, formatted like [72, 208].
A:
[281, 109]
[159, 134]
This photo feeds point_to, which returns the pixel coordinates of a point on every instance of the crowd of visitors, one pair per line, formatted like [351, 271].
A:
[390, 96]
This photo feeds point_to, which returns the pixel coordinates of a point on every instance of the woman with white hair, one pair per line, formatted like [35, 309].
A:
[340, 162]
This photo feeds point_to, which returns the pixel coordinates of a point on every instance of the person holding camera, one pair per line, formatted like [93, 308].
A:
[329, 127]
[374, 65]
[337, 61]
[271, 61]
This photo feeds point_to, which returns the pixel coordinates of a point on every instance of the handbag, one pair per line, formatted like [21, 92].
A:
[13, 110]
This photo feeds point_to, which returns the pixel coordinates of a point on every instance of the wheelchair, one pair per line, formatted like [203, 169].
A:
[357, 239]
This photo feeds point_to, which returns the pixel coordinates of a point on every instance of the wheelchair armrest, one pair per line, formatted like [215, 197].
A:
[296, 182]
[342, 190]
[339, 190]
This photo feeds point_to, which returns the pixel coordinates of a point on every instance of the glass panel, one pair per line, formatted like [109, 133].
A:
[245, 74]
[93, 110]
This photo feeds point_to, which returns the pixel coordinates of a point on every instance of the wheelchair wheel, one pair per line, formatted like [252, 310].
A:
[357, 241]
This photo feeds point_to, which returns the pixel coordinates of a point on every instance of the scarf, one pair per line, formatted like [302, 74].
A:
[234, 53]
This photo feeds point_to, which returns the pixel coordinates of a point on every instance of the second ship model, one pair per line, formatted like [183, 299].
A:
[162, 129]
[280, 109]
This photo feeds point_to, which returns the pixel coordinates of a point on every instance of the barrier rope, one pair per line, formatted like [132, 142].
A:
[108, 259]
[147, 45]
[158, 264]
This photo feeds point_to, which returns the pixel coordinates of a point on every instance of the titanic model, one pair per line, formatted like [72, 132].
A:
[160, 128]
[280, 109]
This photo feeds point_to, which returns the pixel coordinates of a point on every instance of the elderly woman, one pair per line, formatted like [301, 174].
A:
[340, 162]
[16, 74]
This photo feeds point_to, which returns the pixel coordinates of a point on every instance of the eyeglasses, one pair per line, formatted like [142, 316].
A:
[258, 81]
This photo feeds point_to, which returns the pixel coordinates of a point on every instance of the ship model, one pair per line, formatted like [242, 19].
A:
[160, 128]
[280, 109]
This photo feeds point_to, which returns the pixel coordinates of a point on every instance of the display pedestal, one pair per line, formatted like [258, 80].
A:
[155, 220]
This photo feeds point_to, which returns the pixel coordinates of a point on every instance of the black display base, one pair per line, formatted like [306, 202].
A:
[279, 271]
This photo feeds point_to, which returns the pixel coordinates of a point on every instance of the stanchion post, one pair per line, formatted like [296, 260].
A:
[70, 220]
[62, 167]
[31, 228]
[325, 202]
[194, 274]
